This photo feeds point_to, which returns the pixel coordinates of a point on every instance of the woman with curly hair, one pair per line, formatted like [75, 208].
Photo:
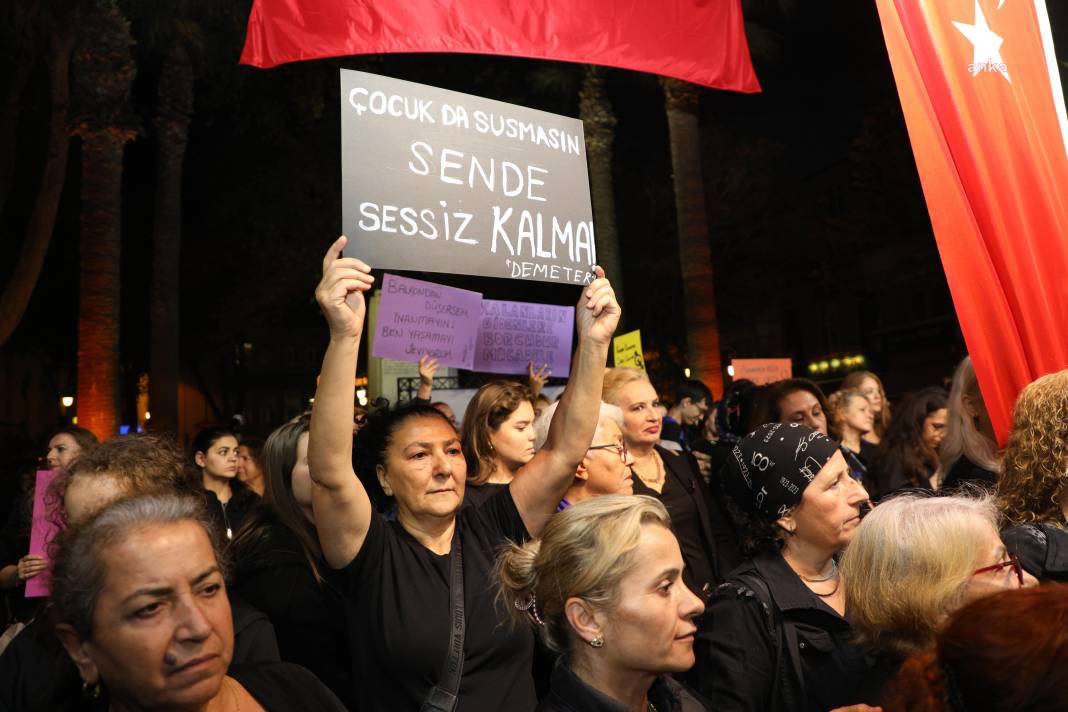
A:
[909, 458]
[869, 384]
[1032, 492]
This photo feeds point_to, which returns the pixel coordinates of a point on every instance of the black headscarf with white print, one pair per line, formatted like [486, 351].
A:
[770, 467]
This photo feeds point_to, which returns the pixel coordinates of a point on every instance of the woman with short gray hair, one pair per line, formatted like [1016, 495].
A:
[139, 602]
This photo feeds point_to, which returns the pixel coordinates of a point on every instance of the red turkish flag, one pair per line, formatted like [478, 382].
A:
[982, 98]
[699, 41]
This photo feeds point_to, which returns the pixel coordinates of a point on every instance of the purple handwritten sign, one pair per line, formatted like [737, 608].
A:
[42, 531]
[417, 318]
[512, 334]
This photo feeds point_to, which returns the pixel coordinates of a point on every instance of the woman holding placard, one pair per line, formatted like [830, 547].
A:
[423, 625]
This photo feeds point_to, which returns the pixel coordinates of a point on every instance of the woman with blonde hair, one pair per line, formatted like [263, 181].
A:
[1032, 491]
[969, 452]
[869, 384]
[914, 561]
[709, 544]
[603, 589]
[851, 419]
[497, 437]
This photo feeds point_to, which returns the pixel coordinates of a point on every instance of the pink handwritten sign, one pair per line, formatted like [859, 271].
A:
[42, 531]
[513, 334]
[417, 318]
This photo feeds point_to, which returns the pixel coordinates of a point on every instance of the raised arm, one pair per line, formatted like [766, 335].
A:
[340, 504]
[539, 485]
[427, 368]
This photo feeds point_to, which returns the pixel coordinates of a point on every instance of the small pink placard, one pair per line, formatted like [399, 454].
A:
[42, 533]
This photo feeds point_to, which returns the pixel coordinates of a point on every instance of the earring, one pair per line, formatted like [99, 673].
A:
[597, 642]
[91, 692]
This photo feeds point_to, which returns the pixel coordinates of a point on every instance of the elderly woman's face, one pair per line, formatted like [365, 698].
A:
[641, 415]
[992, 551]
[162, 629]
[425, 470]
[651, 627]
[829, 512]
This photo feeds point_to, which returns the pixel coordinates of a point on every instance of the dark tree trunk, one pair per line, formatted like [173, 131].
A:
[172, 126]
[104, 74]
[695, 253]
[98, 306]
[599, 125]
[16, 295]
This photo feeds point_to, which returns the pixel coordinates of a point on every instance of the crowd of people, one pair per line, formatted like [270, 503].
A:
[620, 548]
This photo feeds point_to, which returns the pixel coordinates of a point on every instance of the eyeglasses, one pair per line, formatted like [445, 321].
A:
[1013, 562]
[619, 448]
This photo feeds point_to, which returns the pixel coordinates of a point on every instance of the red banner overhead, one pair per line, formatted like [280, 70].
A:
[982, 98]
[694, 40]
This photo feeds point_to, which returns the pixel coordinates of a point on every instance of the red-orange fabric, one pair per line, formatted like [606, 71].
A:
[699, 41]
[991, 151]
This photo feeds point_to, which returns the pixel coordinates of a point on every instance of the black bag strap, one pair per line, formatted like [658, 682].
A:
[443, 696]
[784, 636]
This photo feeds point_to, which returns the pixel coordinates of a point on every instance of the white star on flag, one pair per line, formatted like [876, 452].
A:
[987, 45]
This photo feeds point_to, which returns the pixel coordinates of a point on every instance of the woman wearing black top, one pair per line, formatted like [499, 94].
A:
[778, 638]
[215, 453]
[497, 438]
[969, 452]
[280, 569]
[603, 588]
[909, 456]
[397, 574]
[851, 419]
[706, 537]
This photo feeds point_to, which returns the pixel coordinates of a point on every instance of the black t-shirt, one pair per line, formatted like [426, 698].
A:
[477, 495]
[965, 471]
[284, 687]
[397, 610]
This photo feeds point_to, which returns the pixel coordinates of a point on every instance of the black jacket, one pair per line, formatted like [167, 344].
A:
[718, 535]
[1041, 548]
[230, 516]
[768, 643]
[570, 694]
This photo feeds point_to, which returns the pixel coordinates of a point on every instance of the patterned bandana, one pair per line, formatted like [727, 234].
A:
[771, 467]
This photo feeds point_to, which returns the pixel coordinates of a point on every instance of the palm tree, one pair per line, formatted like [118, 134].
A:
[681, 100]
[599, 124]
[17, 292]
[172, 127]
[104, 73]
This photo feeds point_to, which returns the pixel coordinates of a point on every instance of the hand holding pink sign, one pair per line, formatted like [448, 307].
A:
[42, 532]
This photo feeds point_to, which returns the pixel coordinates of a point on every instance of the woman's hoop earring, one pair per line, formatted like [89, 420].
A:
[91, 692]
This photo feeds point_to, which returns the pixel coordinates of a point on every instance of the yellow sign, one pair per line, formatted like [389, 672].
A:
[627, 350]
